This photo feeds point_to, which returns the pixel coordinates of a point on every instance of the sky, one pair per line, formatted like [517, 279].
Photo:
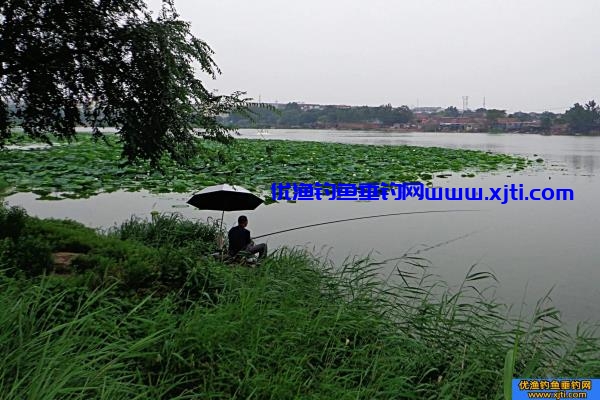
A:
[520, 55]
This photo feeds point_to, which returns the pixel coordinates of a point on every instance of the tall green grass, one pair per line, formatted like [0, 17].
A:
[170, 230]
[292, 328]
[3, 185]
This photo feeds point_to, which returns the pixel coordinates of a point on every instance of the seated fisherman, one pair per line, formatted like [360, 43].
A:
[239, 239]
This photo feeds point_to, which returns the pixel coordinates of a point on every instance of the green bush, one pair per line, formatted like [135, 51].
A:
[32, 255]
[12, 222]
[90, 262]
[21, 252]
[6, 248]
[3, 186]
[64, 235]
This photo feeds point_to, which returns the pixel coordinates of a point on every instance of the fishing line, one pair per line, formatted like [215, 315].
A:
[357, 218]
[409, 254]
[445, 243]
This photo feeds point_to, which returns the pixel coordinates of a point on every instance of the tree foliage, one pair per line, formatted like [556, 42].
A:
[521, 116]
[451, 112]
[492, 116]
[108, 63]
[547, 120]
[322, 116]
[583, 119]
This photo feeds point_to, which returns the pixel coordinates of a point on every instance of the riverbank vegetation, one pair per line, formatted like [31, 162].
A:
[579, 119]
[86, 167]
[142, 312]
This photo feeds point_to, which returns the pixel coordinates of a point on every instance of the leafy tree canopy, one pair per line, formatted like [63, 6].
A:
[108, 63]
[583, 119]
[521, 116]
[494, 113]
[547, 120]
[451, 112]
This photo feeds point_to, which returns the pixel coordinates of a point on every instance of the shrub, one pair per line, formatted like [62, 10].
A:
[12, 222]
[21, 252]
[32, 255]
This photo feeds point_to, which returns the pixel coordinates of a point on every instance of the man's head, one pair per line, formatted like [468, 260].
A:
[242, 221]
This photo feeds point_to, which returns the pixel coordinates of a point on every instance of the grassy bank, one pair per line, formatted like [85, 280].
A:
[85, 168]
[143, 313]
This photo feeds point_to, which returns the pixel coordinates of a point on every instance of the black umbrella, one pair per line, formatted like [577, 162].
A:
[225, 198]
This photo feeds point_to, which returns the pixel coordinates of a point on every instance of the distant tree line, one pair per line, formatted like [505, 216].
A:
[579, 119]
[298, 115]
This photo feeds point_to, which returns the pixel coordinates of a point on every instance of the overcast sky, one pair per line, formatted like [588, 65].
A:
[529, 55]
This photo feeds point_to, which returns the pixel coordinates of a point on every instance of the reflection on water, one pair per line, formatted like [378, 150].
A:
[536, 245]
[582, 162]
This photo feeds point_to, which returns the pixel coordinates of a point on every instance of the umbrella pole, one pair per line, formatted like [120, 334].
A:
[221, 236]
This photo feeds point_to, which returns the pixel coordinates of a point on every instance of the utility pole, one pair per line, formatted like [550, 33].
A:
[465, 100]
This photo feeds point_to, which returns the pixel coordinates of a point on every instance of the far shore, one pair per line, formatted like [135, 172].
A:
[86, 129]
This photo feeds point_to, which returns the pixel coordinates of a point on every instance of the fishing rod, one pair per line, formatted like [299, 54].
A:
[357, 218]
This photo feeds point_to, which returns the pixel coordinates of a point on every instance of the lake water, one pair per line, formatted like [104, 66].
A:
[531, 246]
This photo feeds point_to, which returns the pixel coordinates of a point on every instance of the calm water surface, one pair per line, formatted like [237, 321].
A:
[530, 246]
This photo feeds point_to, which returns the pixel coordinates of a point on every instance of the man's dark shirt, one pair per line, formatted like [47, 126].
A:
[239, 238]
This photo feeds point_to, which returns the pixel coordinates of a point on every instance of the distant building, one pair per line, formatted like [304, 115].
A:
[462, 124]
[307, 107]
[357, 125]
[508, 124]
[426, 110]
[278, 106]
